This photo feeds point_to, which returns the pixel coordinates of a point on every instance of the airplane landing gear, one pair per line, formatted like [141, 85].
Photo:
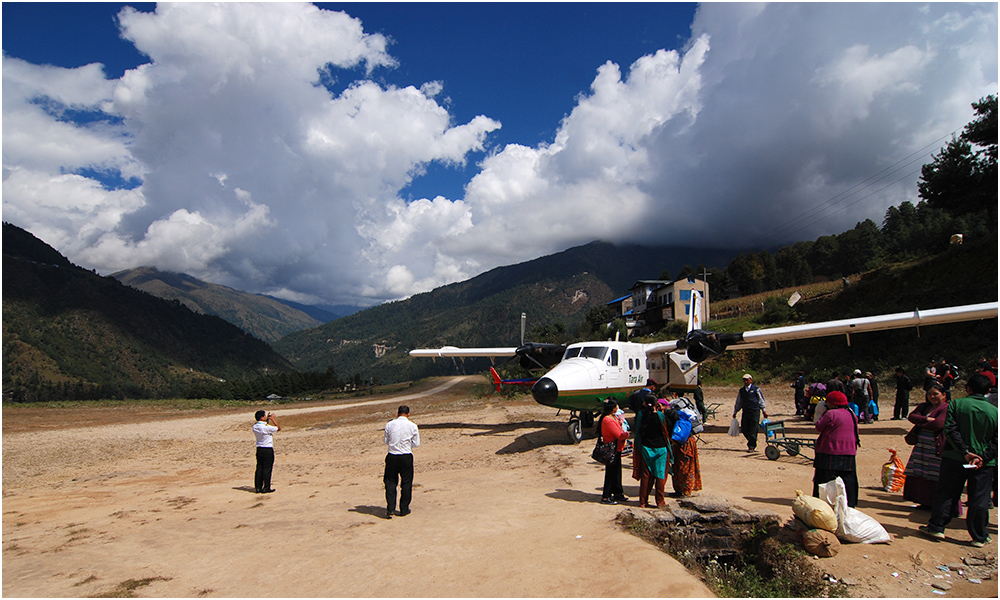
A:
[577, 422]
[574, 430]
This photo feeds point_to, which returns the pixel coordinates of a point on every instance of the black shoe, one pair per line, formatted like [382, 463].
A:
[621, 498]
[388, 513]
[608, 501]
[257, 490]
[403, 513]
[267, 491]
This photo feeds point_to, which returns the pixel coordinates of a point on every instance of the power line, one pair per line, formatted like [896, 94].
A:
[857, 188]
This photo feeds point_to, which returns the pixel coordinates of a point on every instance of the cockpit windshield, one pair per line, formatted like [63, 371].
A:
[598, 352]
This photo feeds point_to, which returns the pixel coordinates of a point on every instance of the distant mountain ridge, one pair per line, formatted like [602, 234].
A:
[262, 316]
[321, 312]
[68, 332]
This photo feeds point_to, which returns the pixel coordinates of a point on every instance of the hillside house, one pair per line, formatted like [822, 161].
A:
[620, 307]
[655, 303]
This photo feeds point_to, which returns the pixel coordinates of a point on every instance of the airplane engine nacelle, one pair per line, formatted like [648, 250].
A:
[705, 345]
[535, 355]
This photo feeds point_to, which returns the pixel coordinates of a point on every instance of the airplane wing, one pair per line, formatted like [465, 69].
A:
[453, 351]
[702, 345]
[916, 318]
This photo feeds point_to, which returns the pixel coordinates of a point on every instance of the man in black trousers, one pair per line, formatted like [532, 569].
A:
[401, 435]
[265, 450]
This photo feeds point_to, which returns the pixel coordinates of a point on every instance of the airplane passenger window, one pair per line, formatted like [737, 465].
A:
[598, 352]
[630, 364]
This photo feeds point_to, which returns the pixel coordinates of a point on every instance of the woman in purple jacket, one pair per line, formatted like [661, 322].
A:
[837, 447]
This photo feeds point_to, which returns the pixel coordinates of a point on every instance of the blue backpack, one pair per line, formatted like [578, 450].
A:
[682, 431]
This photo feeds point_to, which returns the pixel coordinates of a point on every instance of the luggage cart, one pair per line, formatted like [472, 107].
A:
[711, 410]
[776, 440]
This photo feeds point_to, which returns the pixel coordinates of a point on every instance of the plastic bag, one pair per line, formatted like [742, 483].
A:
[893, 473]
[734, 428]
[853, 525]
[814, 512]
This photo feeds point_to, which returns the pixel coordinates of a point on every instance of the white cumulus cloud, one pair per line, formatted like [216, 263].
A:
[244, 168]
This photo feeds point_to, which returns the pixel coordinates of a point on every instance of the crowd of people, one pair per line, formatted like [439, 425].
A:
[954, 442]
[860, 388]
[659, 450]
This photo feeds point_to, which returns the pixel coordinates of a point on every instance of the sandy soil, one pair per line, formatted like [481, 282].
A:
[117, 499]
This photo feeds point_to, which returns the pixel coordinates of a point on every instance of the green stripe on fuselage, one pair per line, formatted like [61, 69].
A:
[591, 400]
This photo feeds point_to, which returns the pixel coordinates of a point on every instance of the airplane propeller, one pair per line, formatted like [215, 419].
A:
[537, 355]
[703, 345]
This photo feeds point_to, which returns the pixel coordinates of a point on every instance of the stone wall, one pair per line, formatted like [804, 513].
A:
[702, 527]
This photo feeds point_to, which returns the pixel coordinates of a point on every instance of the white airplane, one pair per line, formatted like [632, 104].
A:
[584, 374]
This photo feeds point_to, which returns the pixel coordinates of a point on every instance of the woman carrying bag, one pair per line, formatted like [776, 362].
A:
[925, 463]
[837, 447]
[651, 456]
[612, 431]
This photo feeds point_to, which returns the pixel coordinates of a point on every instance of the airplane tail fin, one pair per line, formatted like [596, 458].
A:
[694, 312]
[496, 378]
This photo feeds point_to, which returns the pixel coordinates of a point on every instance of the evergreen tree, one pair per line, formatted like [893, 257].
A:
[962, 178]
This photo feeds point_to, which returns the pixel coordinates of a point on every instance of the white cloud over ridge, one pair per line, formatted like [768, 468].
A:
[255, 175]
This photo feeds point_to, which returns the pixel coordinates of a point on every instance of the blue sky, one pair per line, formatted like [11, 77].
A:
[362, 152]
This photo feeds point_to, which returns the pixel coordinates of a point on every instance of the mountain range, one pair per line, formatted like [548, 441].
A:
[66, 327]
[264, 317]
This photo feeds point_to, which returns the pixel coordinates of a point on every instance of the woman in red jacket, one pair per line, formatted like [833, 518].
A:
[611, 430]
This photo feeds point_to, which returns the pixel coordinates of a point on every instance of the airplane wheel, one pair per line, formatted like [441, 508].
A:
[792, 449]
[772, 452]
[575, 431]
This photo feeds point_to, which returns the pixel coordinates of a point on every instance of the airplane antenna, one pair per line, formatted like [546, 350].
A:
[524, 317]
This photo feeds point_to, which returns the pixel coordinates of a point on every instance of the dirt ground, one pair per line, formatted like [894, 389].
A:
[119, 501]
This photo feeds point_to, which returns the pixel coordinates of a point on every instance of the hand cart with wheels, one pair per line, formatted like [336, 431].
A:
[776, 440]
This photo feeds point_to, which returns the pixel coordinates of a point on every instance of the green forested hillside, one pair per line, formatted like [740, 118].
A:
[965, 274]
[263, 317]
[70, 333]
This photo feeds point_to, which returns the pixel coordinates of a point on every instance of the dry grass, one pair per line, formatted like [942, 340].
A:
[753, 304]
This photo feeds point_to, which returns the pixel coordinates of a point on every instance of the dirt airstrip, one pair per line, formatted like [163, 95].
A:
[156, 504]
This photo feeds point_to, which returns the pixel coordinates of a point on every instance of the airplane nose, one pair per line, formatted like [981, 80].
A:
[545, 391]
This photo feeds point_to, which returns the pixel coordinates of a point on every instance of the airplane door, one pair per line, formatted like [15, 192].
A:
[616, 371]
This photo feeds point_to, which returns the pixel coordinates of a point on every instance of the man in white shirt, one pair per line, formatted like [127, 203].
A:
[265, 451]
[401, 435]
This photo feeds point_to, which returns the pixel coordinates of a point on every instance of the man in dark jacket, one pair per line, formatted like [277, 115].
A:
[750, 400]
[836, 385]
[642, 396]
[903, 386]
